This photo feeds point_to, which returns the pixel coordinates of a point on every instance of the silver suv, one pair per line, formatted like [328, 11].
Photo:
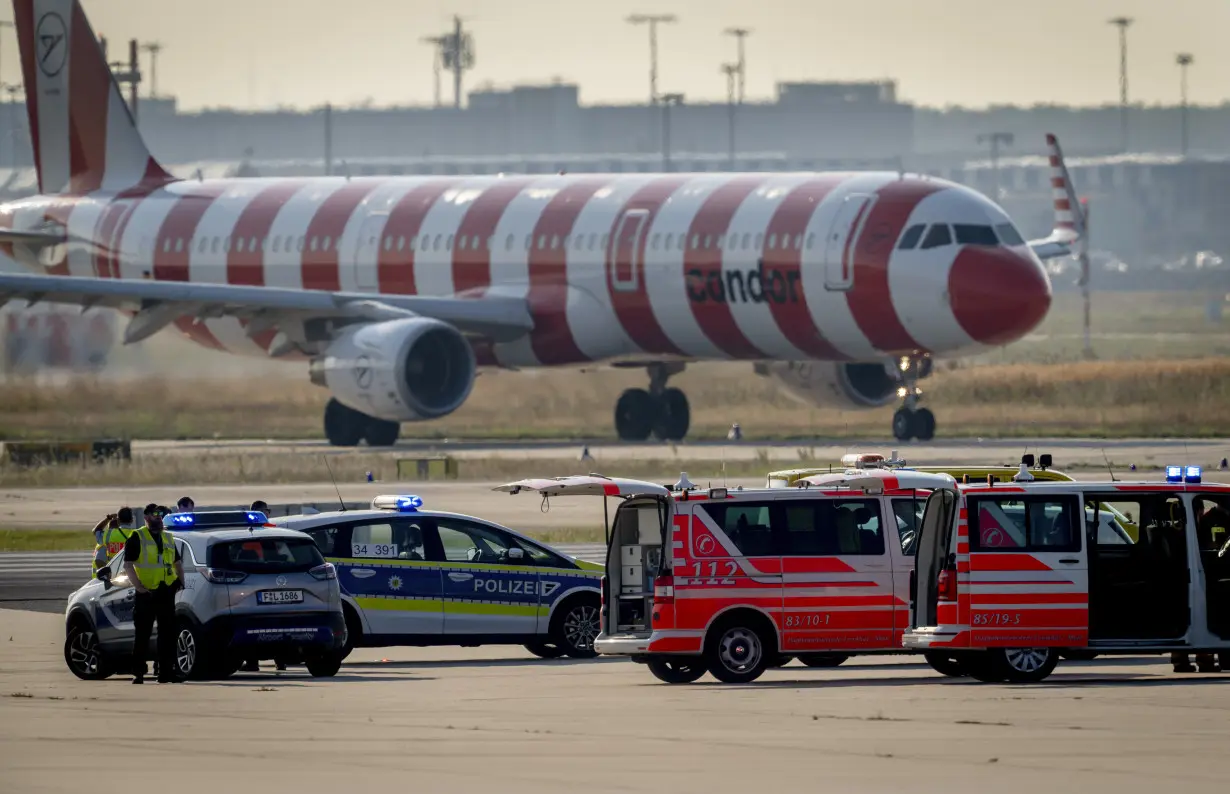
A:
[250, 590]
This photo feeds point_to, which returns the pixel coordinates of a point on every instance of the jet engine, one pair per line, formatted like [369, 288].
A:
[835, 384]
[399, 370]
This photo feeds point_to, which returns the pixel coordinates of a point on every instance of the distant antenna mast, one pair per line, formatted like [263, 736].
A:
[457, 56]
[1108, 468]
[340, 503]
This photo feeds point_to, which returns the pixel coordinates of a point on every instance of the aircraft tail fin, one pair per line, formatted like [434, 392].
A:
[1069, 216]
[83, 134]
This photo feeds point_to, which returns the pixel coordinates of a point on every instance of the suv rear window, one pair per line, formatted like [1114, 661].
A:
[266, 555]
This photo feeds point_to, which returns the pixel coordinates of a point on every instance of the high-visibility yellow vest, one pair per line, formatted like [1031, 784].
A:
[114, 539]
[155, 568]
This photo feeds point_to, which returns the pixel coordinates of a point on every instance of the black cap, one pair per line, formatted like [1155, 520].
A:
[151, 509]
[260, 505]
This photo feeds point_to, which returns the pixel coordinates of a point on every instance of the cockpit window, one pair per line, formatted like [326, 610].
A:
[1009, 235]
[911, 237]
[937, 236]
[970, 234]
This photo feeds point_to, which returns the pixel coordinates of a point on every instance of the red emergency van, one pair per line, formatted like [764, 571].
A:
[734, 581]
[1009, 575]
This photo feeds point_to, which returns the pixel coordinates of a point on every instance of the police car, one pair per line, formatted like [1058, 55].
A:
[418, 577]
[250, 590]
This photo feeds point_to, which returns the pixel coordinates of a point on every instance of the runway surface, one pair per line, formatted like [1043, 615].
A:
[42, 581]
[493, 719]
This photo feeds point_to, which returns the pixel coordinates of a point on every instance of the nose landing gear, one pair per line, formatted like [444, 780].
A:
[910, 421]
[659, 411]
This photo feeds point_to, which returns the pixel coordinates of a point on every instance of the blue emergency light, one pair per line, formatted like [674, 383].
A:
[214, 520]
[1188, 474]
[408, 504]
[402, 504]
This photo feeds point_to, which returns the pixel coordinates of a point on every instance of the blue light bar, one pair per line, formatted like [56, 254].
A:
[216, 520]
[1174, 474]
[402, 504]
[181, 520]
[1192, 475]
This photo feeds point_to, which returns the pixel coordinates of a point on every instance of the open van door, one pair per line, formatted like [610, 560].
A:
[933, 548]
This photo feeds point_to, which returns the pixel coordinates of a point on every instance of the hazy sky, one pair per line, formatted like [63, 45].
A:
[247, 53]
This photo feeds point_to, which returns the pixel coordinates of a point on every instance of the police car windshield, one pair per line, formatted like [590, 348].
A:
[266, 555]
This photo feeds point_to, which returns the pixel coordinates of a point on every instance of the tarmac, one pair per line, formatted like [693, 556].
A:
[493, 719]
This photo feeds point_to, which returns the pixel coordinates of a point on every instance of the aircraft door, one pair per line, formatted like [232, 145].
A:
[364, 260]
[624, 252]
[842, 240]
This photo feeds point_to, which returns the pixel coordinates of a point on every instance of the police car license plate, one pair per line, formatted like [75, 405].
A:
[279, 597]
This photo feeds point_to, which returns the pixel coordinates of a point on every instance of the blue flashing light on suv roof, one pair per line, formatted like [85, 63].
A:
[213, 520]
[402, 504]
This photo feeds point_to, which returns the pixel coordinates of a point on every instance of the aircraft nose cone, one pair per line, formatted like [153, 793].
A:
[998, 295]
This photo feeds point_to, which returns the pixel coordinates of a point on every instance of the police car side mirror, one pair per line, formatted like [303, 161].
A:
[516, 555]
[104, 576]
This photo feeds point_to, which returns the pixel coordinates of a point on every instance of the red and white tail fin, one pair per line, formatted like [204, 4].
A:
[84, 137]
[1069, 219]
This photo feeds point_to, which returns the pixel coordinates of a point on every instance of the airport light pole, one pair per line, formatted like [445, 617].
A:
[667, 101]
[1184, 60]
[1123, 23]
[740, 34]
[731, 70]
[438, 42]
[652, 20]
[995, 139]
[153, 48]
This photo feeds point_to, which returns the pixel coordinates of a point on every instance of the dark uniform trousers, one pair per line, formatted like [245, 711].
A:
[156, 605]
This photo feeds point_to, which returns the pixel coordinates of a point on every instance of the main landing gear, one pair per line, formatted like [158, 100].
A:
[659, 411]
[346, 427]
[910, 421]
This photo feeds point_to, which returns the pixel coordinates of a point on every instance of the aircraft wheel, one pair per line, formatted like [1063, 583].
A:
[344, 427]
[924, 424]
[903, 424]
[673, 417]
[635, 414]
[380, 433]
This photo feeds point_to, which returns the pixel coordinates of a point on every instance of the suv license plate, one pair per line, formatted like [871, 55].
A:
[279, 597]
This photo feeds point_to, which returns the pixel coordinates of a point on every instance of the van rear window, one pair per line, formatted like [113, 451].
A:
[266, 555]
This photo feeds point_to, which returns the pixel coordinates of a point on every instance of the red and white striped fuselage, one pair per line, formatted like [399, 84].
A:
[694, 266]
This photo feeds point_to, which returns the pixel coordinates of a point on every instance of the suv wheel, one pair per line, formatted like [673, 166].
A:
[676, 670]
[544, 650]
[324, 665]
[83, 655]
[191, 656]
[735, 653]
[576, 628]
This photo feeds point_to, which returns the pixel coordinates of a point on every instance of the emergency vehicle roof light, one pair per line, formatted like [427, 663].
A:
[216, 519]
[1045, 461]
[1027, 459]
[1174, 474]
[408, 503]
[1192, 474]
[1023, 475]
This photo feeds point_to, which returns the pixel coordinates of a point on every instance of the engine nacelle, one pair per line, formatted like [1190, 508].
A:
[400, 370]
[834, 384]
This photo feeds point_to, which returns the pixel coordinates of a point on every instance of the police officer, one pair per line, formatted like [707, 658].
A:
[156, 571]
[185, 504]
[110, 535]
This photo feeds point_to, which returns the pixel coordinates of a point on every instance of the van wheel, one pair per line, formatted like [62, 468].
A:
[823, 659]
[324, 665]
[575, 628]
[735, 653]
[1025, 665]
[945, 664]
[676, 670]
[544, 650]
[83, 655]
[191, 656]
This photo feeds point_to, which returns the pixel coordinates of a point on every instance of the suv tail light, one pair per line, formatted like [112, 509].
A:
[947, 585]
[324, 572]
[664, 589]
[222, 576]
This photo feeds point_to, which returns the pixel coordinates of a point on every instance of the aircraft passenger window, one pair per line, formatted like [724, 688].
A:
[435, 243]
[252, 244]
[695, 241]
[213, 246]
[276, 243]
[326, 243]
[811, 240]
[401, 243]
[747, 240]
[798, 242]
[491, 242]
[605, 239]
[179, 244]
[683, 242]
[1009, 235]
[969, 234]
[911, 237]
[448, 244]
[299, 244]
[388, 243]
[759, 241]
[312, 245]
[476, 243]
[578, 242]
[772, 241]
[239, 245]
[529, 241]
[938, 235]
[593, 238]
[166, 246]
[204, 244]
[653, 241]
[554, 242]
[542, 241]
[226, 244]
[265, 243]
[508, 243]
[564, 243]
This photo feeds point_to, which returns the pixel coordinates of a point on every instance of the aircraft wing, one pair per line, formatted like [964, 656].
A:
[159, 303]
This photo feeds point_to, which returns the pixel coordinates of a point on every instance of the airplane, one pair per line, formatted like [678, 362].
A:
[842, 287]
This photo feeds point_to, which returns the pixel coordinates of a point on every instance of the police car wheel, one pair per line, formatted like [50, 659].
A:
[1025, 665]
[823, 659]
[944, 664]
[544, 650]
[191, 655]
[676, 671]
[736, 653]
[83, 655]
[576, 629]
